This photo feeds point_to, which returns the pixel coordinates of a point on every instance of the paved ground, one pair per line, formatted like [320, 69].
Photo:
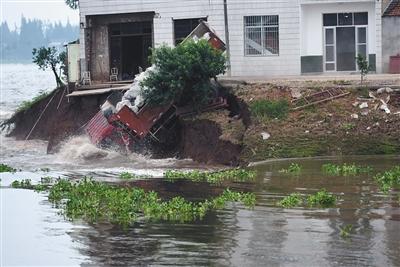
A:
[393, 79]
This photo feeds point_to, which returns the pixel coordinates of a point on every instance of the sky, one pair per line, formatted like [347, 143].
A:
[48, 10]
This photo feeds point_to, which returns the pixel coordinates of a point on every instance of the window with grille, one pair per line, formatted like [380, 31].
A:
[261, 35]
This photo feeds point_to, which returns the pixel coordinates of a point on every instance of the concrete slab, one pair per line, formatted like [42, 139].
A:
[97, 91]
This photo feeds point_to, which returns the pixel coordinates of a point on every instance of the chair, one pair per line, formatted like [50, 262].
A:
[86, 78]
[114, 74]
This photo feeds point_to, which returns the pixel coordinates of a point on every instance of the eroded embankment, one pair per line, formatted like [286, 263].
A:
[235, 136]
[54, 118]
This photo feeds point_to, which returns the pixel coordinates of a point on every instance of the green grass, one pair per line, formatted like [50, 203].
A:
[217, 177]
[6, 168]
[270, 109]
[25, 105]
[95, 201]
[293, 200]
[389, 179]
[129, 176]
[345, 169]
[348, 126]
[294, 168]
[321, 199]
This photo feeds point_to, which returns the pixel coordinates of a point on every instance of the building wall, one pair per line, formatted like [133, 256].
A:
[390, 40]
[292, 13]
[312, 43]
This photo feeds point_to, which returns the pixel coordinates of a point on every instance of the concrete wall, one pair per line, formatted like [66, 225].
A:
[390, 40]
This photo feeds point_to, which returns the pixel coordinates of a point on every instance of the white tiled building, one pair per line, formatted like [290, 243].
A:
[266, 37]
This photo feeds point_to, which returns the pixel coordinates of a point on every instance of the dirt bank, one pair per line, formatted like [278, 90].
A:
[60, 119]
[235, 136]
[338, 127]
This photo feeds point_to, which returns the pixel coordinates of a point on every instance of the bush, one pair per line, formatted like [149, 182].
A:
[271, 109]
[183, 74]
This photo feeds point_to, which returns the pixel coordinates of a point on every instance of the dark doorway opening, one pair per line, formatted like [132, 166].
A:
[130, 45]
[346, 48]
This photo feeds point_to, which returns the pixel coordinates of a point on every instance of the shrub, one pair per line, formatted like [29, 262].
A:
[183, 74]
[270, 109]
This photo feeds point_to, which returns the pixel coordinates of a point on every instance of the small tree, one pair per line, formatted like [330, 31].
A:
[183, 74]
[74, 4]
[49, 58]
[363, 66]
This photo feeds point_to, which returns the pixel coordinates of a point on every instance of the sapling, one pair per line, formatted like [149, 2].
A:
[363, 66]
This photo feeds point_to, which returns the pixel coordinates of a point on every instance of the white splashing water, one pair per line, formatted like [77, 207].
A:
[80, 149]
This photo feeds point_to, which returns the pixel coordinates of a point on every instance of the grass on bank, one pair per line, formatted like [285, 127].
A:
[270, 109]
[217, 177]
[25, 105]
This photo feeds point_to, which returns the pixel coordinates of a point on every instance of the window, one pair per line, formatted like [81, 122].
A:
[345, 19]
[183, 27]
[261, 35]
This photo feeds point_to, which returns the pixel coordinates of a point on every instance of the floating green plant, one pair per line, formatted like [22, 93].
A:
[294, 168]
[345, 169]
[321, 199]
[6, 168]
[389, 179]
[346, 231]
[293, 200]
[43, 185]
[234, 175]
[129, 176]
[95, 201]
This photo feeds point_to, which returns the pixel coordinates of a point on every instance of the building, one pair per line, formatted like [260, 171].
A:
[266, 38]
[391, 35]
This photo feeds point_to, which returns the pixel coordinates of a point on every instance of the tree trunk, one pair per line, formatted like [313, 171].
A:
[58, 80]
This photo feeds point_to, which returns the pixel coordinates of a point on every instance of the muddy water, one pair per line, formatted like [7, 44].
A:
[265, 236]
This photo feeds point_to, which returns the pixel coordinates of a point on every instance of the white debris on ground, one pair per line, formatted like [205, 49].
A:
[265, 135]
[384, 90]
[363, 105]
[354, 116]
[133, 98]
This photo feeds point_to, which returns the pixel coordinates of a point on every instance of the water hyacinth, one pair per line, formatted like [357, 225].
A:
[217, 177]
[294, 168]
[389, 179]
[6, 168]
[95, 201]
[345, 169]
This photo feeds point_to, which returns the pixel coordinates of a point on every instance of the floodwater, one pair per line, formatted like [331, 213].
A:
[33, 232]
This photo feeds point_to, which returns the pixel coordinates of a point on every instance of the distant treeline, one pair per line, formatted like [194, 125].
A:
[17, 44]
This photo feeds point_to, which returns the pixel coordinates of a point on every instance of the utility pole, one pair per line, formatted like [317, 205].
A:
[228, 50]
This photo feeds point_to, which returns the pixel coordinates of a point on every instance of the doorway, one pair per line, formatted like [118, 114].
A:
[345, 37]
[130, 45]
